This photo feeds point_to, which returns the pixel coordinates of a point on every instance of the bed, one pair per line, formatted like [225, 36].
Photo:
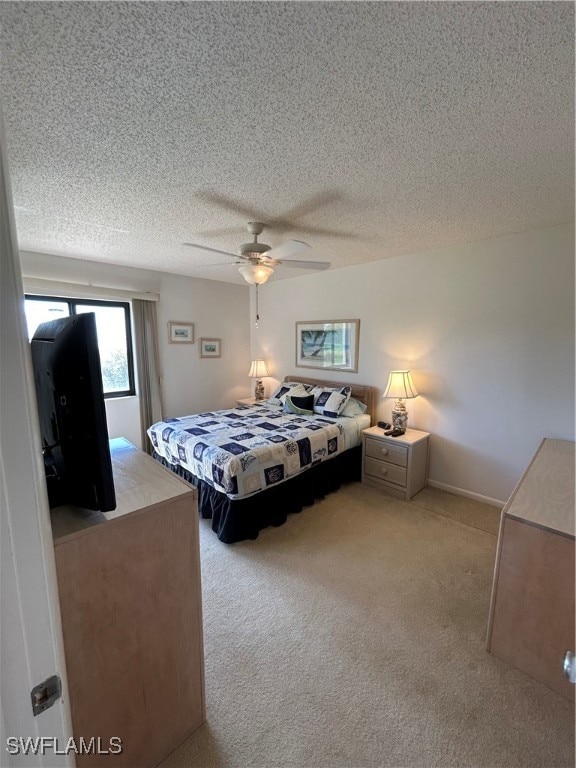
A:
[255, 465]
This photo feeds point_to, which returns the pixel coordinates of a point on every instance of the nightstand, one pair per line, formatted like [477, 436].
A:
[250, 401]
[397, 465]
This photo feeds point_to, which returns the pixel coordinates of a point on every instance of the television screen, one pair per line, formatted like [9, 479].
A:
[72, 415]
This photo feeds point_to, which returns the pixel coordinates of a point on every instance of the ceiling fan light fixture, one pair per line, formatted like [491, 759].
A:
[255, 274]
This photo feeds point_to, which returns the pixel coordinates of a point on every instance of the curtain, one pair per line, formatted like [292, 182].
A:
[147, 362]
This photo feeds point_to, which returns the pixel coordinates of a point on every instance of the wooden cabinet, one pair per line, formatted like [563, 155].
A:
[130, 600]
[531, 623]
[397, 465]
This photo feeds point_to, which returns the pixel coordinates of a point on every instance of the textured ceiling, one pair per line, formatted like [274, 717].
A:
[389, 127]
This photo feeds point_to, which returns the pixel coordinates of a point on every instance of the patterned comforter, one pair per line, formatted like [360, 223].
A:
[248, 448]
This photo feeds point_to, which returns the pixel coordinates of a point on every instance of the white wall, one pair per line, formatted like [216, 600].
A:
[486, 328]
[123, 418]
[190, 383]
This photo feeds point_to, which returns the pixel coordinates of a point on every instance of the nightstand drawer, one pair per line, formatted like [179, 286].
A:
[382, 470]
[384, 451]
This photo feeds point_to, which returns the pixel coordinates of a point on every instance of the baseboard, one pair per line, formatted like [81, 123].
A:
[469, 494]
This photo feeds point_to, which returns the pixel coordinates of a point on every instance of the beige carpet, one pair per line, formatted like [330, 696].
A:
[353, 636]
[467, 511]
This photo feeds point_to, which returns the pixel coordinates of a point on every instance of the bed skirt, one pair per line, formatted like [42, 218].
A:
[239, 519]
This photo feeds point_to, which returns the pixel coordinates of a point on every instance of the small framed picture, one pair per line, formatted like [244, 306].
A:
[180, 333]
[209, 347]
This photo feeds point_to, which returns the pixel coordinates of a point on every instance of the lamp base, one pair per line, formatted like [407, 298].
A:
[400, 416]
[259, 390]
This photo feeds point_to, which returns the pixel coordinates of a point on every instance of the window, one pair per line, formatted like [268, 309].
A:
[114, 335]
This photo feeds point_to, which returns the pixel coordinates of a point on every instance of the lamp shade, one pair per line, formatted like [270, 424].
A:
[255, 274]
[400, 385]
[258, 369]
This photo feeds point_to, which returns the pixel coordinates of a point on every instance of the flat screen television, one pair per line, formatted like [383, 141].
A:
[73, 426]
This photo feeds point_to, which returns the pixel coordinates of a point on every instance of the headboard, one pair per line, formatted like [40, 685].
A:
[362, 392]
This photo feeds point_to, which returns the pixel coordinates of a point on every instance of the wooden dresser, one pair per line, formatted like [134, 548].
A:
[531, 623]
[130, 600]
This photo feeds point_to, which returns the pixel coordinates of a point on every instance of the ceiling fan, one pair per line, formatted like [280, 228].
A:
[257, 260]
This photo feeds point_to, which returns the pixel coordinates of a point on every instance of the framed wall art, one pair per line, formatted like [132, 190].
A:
[209, 347]
[329, 345]
[180, 333]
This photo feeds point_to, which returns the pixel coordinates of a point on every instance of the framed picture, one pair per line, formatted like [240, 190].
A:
[209, 347]
[180, 333]
[331, 345]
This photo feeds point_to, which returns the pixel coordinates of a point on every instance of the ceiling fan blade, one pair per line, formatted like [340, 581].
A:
[305, 264]
[286, 249]
[212, 250]
[222, 264]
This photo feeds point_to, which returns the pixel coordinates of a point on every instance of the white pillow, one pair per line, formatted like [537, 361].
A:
[354, 408]
[330, 401]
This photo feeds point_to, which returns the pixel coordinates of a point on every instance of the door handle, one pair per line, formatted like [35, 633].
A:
[570, 666]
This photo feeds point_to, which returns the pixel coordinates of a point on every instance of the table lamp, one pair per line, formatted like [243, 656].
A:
[258, 369]
[401, 387]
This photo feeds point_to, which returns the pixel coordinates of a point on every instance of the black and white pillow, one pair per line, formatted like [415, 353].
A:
[278, 397]
[303, 406]
[330, 401]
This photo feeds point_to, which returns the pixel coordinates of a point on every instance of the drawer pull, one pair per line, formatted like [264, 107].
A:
[383, 471]
[384, 451]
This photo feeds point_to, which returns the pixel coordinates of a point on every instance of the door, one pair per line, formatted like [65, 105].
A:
[31, 648]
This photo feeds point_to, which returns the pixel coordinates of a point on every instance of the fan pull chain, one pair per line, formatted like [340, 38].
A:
[257, 315]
